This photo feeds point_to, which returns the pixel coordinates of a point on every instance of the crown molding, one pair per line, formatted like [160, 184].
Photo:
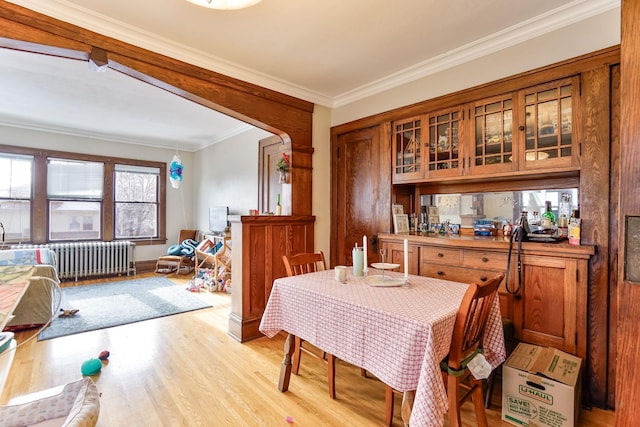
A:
[552, 20]
[555, 19]
[187, 146]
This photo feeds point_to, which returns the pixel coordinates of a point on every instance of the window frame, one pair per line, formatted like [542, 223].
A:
[153, 171]
[29, 199]
[40, 201]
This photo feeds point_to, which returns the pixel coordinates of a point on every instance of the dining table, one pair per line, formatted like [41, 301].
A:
[399, 332]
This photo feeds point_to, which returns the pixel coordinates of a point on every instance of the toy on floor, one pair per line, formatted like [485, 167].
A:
[68, 313]
[91, 367]
[194, 286]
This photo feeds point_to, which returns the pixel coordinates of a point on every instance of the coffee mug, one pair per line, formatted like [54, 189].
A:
[341, 273]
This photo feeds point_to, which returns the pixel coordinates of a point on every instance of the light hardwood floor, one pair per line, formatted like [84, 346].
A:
[184, 370]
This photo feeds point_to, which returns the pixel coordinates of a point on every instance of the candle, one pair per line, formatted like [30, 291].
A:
[406, 259]
[364, 245]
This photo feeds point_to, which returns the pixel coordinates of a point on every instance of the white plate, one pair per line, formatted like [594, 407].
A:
[384, 281]
[384, 265]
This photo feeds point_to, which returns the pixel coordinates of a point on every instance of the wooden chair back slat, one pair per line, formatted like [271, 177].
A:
[304, 263]
[471, 320]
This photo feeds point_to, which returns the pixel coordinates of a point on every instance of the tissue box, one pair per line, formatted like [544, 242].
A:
[541, 387]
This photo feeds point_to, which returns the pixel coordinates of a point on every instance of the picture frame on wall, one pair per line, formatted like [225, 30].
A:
[401, 223]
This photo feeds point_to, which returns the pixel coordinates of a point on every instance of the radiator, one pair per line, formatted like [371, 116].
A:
[86, 259]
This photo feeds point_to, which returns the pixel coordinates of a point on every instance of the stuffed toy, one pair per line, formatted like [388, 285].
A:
[68, 313]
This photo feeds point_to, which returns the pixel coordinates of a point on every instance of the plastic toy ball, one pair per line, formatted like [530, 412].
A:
[104, 355]
[91, 367]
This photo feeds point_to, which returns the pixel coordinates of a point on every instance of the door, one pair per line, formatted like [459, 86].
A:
[270, 151]
[361, 187]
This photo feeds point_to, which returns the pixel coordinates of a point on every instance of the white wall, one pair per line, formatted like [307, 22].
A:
[321, 177]
[179, 202]
[226, 174]
[587, 36]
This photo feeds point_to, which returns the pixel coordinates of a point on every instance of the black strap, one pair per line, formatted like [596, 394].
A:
[518, 235]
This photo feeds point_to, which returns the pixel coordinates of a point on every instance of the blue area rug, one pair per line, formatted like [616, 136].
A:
[119, 303]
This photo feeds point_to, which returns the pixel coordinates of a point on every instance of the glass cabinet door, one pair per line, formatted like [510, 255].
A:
[407, 155]
[493, 145]
[443, 143]
[549, 117]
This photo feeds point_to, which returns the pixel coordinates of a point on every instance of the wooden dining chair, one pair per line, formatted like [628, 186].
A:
[301, 264]
[466, 342]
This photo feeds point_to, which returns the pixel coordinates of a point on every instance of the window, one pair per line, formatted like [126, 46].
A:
[60, 196]
[16, 175]
[136, 201]
[74, 191]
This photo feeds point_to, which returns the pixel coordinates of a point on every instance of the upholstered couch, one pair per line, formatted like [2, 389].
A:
[36, 306]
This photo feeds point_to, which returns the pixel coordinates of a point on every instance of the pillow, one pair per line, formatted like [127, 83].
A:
[174, 250]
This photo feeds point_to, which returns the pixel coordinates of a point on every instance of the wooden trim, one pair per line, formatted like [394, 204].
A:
[40, 205]
[628, 293]
[513, 83]
[289, 117]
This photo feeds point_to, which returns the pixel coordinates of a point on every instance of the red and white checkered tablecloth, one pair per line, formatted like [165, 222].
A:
[398, 334]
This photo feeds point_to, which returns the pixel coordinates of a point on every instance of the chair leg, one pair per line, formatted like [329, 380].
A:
[388, 404]
[331, 373]
[297, 354]
[453, 393]
[478, 402]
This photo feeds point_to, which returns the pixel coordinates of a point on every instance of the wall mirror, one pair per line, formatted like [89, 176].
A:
[465, 209]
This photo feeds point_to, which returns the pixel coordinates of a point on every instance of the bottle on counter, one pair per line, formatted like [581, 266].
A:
[563, 227]
[278, 205]
[564, 208]
[535, 218]
[548, 218]
[574, 227]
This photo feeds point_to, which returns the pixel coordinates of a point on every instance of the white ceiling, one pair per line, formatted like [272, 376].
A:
[330, 52]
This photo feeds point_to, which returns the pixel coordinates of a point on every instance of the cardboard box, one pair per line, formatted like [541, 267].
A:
[541, 387]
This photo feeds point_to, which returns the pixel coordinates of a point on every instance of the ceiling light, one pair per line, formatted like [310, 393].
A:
[225, 4]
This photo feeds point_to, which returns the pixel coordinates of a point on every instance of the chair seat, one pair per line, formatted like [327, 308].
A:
[174, 263]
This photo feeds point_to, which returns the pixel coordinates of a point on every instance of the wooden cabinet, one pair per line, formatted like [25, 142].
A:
[549, 308]
[407, 149]
[468, 266]
[444, 138]
[550, 113]
[395, 255]
[492, 145]
[530, 129]
[259, 243]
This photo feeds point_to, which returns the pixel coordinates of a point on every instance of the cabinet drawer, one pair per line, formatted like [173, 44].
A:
[488, 260]
[437, 255]
[458, 274]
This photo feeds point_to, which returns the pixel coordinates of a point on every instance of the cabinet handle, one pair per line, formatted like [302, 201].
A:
[440, 273]
[521, 127]
[518, 296]
[485, 259]
[440, 255]
[483, 278]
